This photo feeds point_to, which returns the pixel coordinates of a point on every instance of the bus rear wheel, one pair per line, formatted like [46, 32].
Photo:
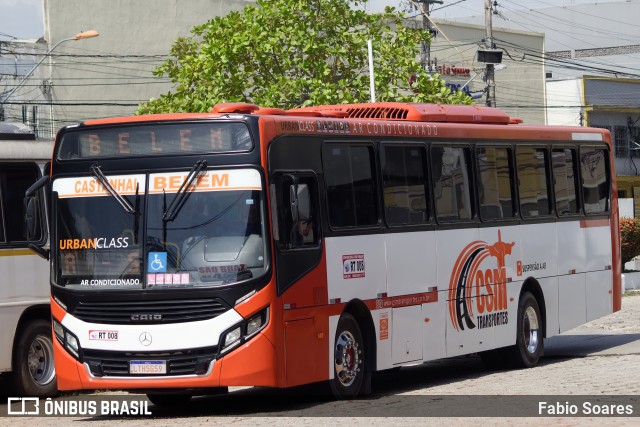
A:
[34, 370]
[348, 359]
[529, 341]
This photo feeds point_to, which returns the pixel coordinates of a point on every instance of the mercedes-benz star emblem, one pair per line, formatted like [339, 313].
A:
[145, 339]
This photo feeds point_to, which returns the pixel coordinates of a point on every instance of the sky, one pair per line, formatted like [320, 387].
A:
[453, 8]
[22, 19]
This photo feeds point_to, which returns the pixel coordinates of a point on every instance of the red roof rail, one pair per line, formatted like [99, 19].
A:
[235, 107]
[264, 111]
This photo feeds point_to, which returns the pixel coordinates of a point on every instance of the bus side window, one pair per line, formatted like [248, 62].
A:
[450, 170]
[351, 185]
[15, 179]
[405, 184]
[532, 181]
[565, 181]
[495, 187]
[594, 171]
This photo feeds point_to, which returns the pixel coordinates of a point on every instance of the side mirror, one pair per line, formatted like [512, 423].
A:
[31, 217]
[31, 191]
[304, 202]
[300, 200]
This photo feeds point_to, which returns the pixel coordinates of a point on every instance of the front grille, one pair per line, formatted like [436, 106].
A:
[147, 312]
[116, 364]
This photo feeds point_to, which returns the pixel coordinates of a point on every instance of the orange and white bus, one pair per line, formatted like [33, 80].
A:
[263, 247]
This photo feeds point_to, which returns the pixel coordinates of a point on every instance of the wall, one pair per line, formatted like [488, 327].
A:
[564, 102]
[127, 27]
[594, 36]
[520, 87]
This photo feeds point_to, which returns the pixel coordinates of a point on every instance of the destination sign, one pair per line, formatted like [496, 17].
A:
[157, 139]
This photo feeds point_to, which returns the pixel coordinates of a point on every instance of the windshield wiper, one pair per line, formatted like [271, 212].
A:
[96, 172]
[184, 191]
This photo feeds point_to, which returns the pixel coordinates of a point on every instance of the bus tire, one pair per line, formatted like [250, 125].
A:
[34, 370]
[348, 359]
[169, 400]
[529, 340]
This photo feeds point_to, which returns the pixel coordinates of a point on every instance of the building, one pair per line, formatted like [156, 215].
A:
[21, 81]
[610, 103]
[598, 38]
[111, 74]
[520, 87]
[108, 75]
[592, 59]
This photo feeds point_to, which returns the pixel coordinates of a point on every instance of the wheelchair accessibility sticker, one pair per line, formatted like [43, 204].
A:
[157, 262]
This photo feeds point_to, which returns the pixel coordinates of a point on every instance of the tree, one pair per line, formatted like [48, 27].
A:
[292, 53]
[629, 239]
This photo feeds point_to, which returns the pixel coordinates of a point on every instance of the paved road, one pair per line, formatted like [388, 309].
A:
[600, 358]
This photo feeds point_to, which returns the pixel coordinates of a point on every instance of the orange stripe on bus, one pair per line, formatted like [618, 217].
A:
[402, 300]
[17, 252]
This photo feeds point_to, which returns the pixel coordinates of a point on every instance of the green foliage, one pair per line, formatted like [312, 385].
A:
[630, 238]
[293, 53]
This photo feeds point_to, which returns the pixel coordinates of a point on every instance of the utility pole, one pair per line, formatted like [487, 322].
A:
[488, 42]
[423, 7]
[4, 97]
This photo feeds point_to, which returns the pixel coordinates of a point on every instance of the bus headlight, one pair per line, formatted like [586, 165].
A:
[72, 344]
[257, 322]
[232, 337]
[244, 330]
[67, 339]
[59, 331]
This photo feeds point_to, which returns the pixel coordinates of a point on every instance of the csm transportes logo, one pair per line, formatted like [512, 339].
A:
[478, 286]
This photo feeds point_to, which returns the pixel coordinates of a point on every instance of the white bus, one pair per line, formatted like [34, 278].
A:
[26, 351]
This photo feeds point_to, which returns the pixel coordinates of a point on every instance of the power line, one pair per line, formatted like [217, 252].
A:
[94, 84]
[85, 55]
[582, 65]
[117, 103]
[608, 33]
[600, 18]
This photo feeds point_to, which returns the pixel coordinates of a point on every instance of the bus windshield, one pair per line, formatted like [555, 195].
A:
[214, 238]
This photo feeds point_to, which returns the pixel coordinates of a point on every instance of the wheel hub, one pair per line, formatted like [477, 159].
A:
[348, 359]
[531, 330]
[40, 361]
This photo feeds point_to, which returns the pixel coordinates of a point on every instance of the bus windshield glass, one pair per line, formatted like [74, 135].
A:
[215, 238]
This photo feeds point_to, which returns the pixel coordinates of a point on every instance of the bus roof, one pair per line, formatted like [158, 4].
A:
[25, 150]
[397, 111]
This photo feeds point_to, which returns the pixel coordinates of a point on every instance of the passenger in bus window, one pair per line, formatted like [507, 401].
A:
[305, 231]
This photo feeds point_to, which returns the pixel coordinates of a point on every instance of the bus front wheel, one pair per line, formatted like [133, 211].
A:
[349, 359]
[529, 341]
[34, 370]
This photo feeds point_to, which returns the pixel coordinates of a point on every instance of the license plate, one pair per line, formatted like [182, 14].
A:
[141, 367]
